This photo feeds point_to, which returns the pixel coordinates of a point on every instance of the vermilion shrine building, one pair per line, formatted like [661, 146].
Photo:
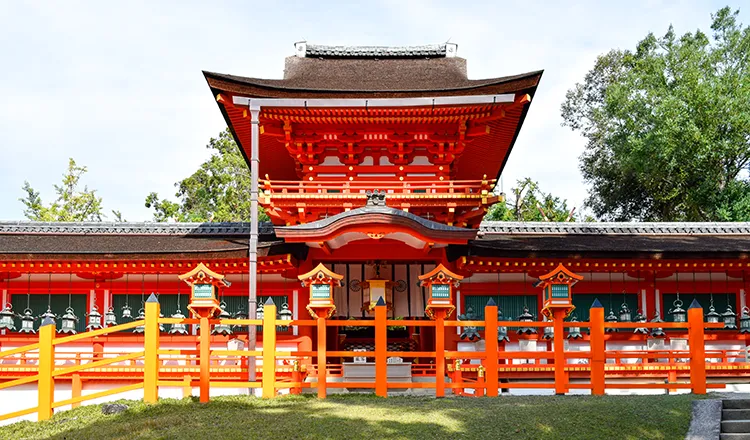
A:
[379, 163]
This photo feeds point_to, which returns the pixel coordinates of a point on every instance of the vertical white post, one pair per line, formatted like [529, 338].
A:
[458, 309]
[644, 303]
[252, 301]
[657, 303]
[743, 301]
[295, 311]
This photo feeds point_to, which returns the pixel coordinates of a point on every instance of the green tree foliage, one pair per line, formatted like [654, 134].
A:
[668, 127]
[529, 204]
[72, 203]
[218, 191]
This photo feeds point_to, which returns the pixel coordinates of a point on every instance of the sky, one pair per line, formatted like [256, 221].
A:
[118, 85]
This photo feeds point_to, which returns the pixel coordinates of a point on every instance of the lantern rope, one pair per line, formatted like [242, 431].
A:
[70, 288]
[28, 291]
[127, 288]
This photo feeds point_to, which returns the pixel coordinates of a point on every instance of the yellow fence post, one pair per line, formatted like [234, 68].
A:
[46, 384]
[597, 347]
[322, 358]
[697, 348]
[269, 349]
[490, 348]
[151, 347]
[381, 348]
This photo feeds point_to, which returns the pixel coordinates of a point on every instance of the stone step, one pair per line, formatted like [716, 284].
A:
[735, 426]
[734, 436]
[735, 414]
[736, 404]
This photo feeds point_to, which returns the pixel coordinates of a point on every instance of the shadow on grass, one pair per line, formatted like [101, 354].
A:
[369, 417]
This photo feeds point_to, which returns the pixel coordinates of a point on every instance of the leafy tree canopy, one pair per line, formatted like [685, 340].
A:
[218, 191]
[668, 126]
[528, 203]
[72, 204]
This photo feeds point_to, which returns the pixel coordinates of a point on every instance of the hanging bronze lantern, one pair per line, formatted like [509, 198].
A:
[657, 332]
[745, 320]
[239, 315]
[6, 318]
[27, 322]
[470, 331]
[259, 311]
[48, 315]
[549, 332]
[222, 328]
[179, 328]
[526, 317]
[730, 318]
[502, 331]
[640, 318]
[712, 316]
[611, 317]
[141, 317]
[624, 313]
[678, 313]
[574, 332]
[110, 319]
[161, 325]
[69, 321]
[285, 315]
[95, 319]
[127, 312]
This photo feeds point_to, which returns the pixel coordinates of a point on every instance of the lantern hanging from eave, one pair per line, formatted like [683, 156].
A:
[240, 314]
[574, 332]
[141, 317]
[678, 313]
[611, 317]
[285, 315]
[745, 320]
[730, 318]
[110, 319]
[178, 328]
[526, 317]
[222, 328]
[712, 316]
[27, 322]
[640, 318]
[657, 332]
[48, 315]
[69, 321]
[470, 331]
[127, 312]
[502, 331]
[549, 332]
[95, 319]
[259, 311]
[624, 313]
[6, 318]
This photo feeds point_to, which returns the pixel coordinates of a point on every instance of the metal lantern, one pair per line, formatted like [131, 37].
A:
[712, 316]
[110, 319]
[657, 332]
[161, 326]
[178, 329]
[95, 319]
[27, 322]
[549, 332]
[730, 318]
[221, 328]
[611, 317]
[624, 313]
[502, 331]
[640, 318]
[141, 317]
[6, 318]
[678, 313]
[574, 332]
[259, 311]
[239, 315]
[127, 312]
[285, 315]
[745, 320]
[69, 321]
[469, 332]
[48, 314]
[526, 317]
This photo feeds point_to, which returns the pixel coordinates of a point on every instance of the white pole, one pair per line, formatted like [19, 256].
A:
[252, 300]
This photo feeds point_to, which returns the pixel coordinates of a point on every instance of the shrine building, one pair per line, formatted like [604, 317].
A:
[375, 166]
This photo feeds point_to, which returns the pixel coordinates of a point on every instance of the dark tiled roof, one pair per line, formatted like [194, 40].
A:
[632, 228]
[431, 50]
[144, 228]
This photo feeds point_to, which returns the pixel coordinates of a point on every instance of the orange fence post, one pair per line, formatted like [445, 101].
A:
[596, 319]
[439, 353]
[697, 348]
[205, 360]
[269, 348]
[46, 384]
[296, 377]
[322, 358]
[187, 386]
[76, 387]
[381, 348]
[558, 342]
[151, 347]
[490, 348]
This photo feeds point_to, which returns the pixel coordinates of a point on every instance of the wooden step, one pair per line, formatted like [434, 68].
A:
[736, 404]
[735, 414]
[738, 426]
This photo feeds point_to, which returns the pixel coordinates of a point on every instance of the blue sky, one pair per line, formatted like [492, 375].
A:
[118, 85]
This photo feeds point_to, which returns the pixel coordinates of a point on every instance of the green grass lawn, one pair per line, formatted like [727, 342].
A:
[369, 417]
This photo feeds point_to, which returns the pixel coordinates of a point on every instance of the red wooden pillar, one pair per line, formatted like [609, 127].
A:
[596, 318]
[490, 348]
[440, 353]
[381, 348]
[322, 359]
[561, 376]
[697, 348]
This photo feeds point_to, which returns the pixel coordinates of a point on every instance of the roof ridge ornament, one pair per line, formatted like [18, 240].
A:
[375, 198]
[303, 49]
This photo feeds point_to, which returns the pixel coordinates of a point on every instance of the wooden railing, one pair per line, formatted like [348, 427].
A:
[359, 186]
[496, 369]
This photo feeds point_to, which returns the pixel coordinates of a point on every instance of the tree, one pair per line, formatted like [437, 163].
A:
[72, 204]
[529, 203]
[668, 127]
[218, 191]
